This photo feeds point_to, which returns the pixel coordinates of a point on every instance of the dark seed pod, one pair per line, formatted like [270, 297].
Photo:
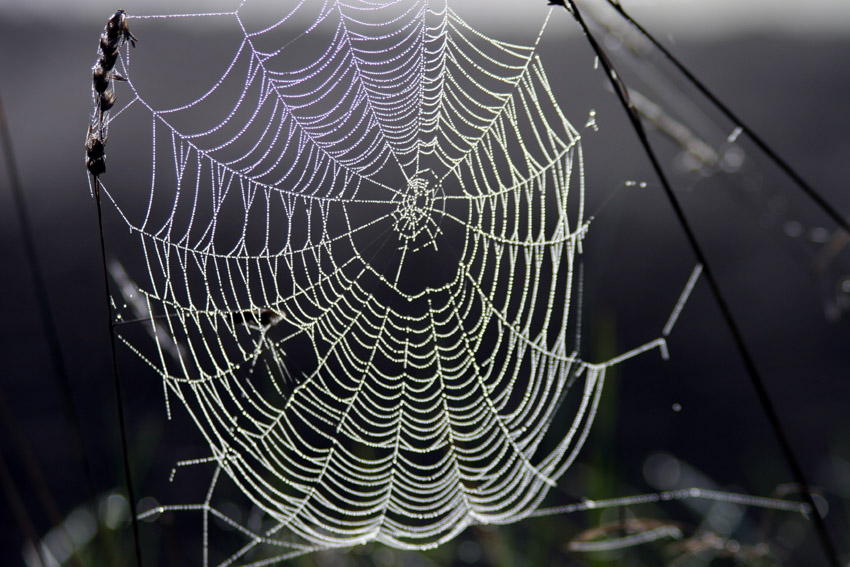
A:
[94, 145]
[108, 59]
[96, 166]
[105, 46]
[95, 151]
[107, 100]
[117, 30]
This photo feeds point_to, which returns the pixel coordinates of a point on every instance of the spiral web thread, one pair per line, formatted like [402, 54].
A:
[361, 277]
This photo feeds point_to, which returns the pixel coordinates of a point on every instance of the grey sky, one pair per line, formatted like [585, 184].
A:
[695, 18]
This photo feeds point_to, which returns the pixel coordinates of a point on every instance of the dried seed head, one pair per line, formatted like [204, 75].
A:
[100, 77]
[95, 151]
[108, 58]
[114, 34]
[118, 31]
[107, 100]
[105, 46]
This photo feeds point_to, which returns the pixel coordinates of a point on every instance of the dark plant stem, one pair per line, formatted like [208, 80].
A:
[755, 378]
[131, 496]
[819, 199]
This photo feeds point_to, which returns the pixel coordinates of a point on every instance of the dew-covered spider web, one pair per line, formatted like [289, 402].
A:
[361, 271]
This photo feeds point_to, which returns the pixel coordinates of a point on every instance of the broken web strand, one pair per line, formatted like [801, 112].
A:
[622, 93]
[549, 161]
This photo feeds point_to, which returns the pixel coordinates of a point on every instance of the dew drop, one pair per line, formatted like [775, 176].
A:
[734, 135]
[591, 121]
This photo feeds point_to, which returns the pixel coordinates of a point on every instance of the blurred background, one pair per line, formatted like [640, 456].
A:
[691, 421]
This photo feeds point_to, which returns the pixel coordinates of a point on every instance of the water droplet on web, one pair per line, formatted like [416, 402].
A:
[150, 506]
[591, 121]
[734, 135]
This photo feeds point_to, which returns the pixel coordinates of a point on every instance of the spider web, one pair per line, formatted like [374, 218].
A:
[377, 349]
